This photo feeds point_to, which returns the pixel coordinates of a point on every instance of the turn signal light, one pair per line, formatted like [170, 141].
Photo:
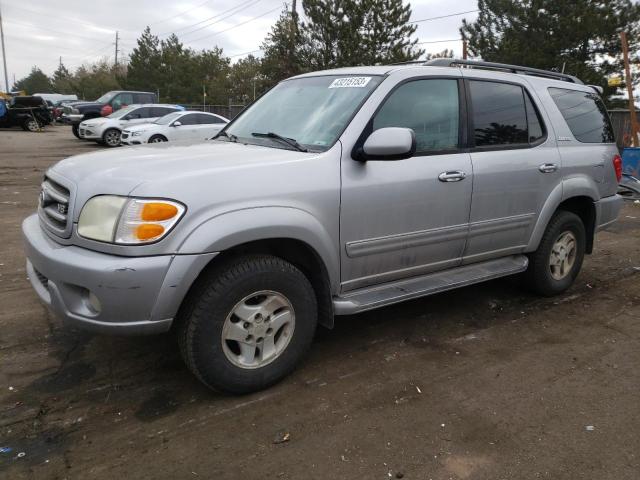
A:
[157, 212]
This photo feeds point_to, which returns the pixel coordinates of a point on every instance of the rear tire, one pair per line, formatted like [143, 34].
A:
[264, 302]
[76, 130]
[157, 139]
[111, 137]
[554, 266]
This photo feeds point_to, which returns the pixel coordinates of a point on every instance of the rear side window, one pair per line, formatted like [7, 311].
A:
[430, 108]
[191, 119]
[145, 98]
[206, 119]
[161, 111]
[499, 114]
[585, 115]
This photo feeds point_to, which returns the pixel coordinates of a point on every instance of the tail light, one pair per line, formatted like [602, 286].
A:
[106, 110]
[617, 165]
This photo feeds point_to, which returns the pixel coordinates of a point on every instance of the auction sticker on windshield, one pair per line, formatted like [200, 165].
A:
[350, 82]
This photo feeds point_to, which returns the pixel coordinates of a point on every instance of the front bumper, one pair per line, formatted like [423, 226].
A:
[89, 133]
[607, 211]
[71, 118]
[136, 295]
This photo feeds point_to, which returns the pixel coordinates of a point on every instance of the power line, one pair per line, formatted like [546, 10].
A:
[439, 41]
[240, 7]
[443, 16]
[180, 14]
[64, 34]
[236, 25]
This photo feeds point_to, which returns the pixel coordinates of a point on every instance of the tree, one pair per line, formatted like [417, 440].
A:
[386, 33]
[581, 37]
[285, 37]
[62, 80]
[92, 81]
[357, 32]
[144, 71]
[35, 82]
[246, 80]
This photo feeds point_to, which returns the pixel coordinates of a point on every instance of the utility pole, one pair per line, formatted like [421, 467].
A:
[292, 45]
[4, 56]
[117, 40]
[629, 81]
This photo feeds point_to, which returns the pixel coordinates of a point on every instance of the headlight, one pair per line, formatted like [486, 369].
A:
[75, 110]
[128, 221]
[137, 134]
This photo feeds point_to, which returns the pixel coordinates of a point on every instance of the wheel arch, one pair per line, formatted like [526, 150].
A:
[289, 233]
[582, 205]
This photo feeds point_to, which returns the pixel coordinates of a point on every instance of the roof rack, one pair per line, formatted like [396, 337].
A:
[536, 72]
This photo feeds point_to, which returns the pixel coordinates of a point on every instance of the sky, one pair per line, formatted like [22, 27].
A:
[39, 32]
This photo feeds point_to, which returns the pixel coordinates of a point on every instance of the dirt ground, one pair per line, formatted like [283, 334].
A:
[486, 382]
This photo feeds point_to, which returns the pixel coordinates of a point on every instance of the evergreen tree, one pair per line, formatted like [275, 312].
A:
[62, 80]
[386, 33]
[144, 71]
[35, 82]
[582, 36]
[285, 36]
[357, 32]
[246, 80]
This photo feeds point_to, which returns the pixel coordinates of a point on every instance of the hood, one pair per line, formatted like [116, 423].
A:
[94, 121]
[81, 106]
[162, 168]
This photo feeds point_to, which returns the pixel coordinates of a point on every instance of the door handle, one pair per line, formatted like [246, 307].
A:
[548, 167]
[452, 176]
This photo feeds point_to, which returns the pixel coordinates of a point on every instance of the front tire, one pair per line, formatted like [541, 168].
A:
[557, 262]
[76, 131]
[31, 125]
[111, 137]
[157, 139]
[247, 323]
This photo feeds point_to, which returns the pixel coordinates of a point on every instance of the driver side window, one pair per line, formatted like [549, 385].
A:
[121, 100]
[430, 108]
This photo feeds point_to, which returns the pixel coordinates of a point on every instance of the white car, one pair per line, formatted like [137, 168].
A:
[175, 126]
[107, 129]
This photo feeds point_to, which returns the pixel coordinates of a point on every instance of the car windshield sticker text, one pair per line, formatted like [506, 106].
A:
[350, 82]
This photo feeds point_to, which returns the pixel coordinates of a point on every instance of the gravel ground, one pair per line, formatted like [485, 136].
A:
[487, 382]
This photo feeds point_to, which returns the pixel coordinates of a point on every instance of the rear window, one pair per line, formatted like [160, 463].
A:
[585, 115]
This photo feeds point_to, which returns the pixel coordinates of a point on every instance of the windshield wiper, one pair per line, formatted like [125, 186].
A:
[289, 141]
[231, 137]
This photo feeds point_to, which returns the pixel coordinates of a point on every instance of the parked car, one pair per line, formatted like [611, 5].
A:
[30, 113]
[175, 126]
[77, 112]
[107, 130]
[58, 108]
[335, 193]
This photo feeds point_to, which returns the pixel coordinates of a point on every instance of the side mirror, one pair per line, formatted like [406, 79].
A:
[391, 143]
[177, 123]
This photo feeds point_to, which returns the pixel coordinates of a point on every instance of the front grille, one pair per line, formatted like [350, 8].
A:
[124, 135]
[43, 280]
[54, 206]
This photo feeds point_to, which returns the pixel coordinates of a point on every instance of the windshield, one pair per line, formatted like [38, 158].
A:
[122, 112]
[106, 97]
[167, 119]
[313, 111]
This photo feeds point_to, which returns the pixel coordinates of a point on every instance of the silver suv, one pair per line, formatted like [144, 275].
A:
[336, 192]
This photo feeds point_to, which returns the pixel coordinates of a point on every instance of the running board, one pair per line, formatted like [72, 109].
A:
[395, 292]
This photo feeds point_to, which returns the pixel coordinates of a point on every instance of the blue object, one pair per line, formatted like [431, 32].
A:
[631, 161]
[5, 449]
[3, 108]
